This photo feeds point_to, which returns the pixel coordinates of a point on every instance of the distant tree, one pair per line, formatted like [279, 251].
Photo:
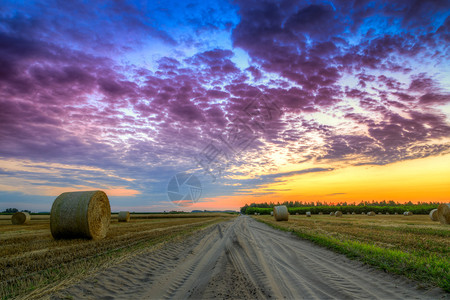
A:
[11, 210]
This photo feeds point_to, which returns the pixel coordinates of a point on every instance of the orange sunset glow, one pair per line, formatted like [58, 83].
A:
[220, 104]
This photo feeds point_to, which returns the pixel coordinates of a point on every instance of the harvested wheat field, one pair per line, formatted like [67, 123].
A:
[219, 257]
[32, 261]
[245, 259]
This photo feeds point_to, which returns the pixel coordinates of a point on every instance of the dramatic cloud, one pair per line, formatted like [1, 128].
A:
[125, 95]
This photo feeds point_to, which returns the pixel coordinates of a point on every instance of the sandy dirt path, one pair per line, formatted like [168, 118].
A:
[244, 259]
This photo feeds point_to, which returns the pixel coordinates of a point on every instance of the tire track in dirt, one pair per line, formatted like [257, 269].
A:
[245, 259]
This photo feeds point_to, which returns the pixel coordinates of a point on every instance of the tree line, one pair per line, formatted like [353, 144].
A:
[14, 210]
[364, 206]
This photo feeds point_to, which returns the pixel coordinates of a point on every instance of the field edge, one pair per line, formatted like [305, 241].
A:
[427, 273]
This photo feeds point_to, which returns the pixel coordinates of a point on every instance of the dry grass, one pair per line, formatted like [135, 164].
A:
[84, 214]
[20, 218]
[417, 237]
[172, 216]
[30, 258]
[280, 213]
[390, 231]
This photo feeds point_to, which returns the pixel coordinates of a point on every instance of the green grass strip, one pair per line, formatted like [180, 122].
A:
[429, 269]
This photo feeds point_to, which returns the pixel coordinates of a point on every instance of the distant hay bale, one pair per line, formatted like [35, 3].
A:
[332, 214]
[348, 213]
[296, 214]
[396, 213]
[408, 213]
[271, 213]
[255, 213]
[443, 212]
[20, 218]
[353, 213]
[124, 216]
[320, 213]
[280, 213]
[371, 213]
[80, 215]
[433, 215]
[363, 213]
[308, 214]
[387, 213]
[379, 213]
[338, 213]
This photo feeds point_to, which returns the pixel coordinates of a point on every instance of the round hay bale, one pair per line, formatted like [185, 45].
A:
[371, 213]
[332, 214]
[379, 213]
[443, 212]
[387, 213]
[20, 218]
[353, 213]
[396, 214]
[280, 213]
[338, 213]
[363, 213]
[271, 213]
[124, 216]
[308, 214]
[320, 213]
[408, 213]
[433, 215]
[296, 214]
[80, 215]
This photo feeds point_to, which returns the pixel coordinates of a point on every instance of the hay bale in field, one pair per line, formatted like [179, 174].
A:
[363, 213]
[296, 214]
[433, 215]
[332, 214]
[396, 214]
[387, 213]
[320, 213]
[308, 214]
[338, 213]
[20, 218]
[124, 216]
[80, 215]
[443, 213]
[379, 213]
[371, 213]
[271, 213]
[408, 213]
[280, 213]
[353, 213]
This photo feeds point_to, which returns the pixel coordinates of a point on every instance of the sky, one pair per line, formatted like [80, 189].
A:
[193, 105]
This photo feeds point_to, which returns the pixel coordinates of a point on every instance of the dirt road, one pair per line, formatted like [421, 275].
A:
[244, 259]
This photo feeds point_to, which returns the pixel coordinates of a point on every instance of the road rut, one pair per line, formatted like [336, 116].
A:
[245, 259]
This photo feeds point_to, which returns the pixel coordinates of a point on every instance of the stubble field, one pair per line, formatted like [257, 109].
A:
[31, 261]
[413, 246]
